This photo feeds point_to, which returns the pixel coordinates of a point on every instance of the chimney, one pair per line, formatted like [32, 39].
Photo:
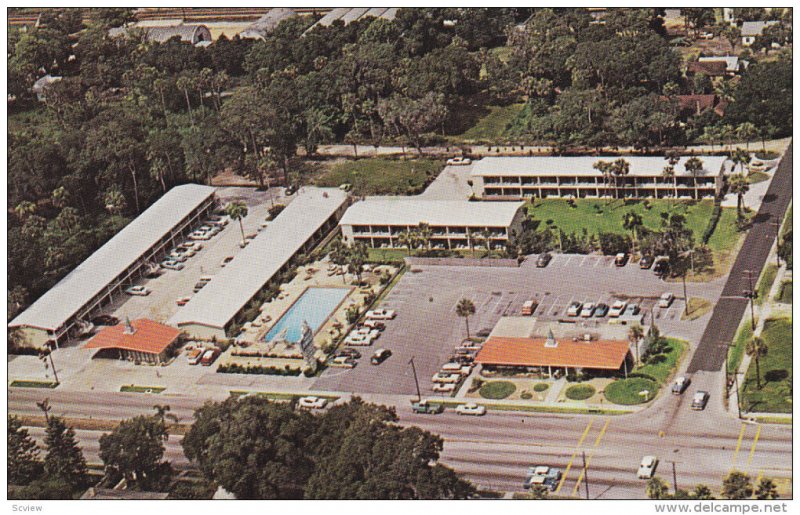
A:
[129, 329]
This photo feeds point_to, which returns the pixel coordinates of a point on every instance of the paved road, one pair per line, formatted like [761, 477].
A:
[710, 353]
[494, 451]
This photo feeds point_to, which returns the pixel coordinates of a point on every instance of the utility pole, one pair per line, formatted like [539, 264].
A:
[751, 295]
[416, 380]
[585, 475]
[674, 480]
[735, 377]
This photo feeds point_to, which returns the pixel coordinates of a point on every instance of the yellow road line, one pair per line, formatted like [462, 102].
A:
[569, 465]
[738, 446]
[591, 455]
[753, 447]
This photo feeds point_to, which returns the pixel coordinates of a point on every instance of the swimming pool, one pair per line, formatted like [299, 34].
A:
[314, 306]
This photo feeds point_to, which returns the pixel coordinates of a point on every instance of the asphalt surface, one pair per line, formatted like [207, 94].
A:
[711, 351]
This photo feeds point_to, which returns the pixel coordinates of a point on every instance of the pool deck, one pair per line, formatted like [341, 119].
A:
[316, 274]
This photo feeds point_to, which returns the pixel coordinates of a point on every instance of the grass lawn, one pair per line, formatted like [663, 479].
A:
[743, 335]
[785, 296]
[626, 391]
[775, 394]
[540, 387]
[493, 125]
[383, 176]
[34, 384]
[606, 215]
[756, 177]
[765, 282]
[386, 255]
[787, 221]
[661, 367]
[142, 389]
[497, 389]
[697, 307]
[579, 392]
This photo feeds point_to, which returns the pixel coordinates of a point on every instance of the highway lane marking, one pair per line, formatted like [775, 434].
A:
[591, 455]
[738, 446]
[753, 447]
[575, 453]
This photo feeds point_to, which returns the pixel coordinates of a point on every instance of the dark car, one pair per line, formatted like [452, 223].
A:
[699, 400]
[543, 260]
[681, 384]
[646, 262]
[621, 259]
[601, 310]
[380, 356]
[466, 359]
[105, 320]
[661, 266]
[291, 189]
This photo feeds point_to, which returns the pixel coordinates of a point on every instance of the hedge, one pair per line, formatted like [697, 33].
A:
[712, 222]
[235, 368]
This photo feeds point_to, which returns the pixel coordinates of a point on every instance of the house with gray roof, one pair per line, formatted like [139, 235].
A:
[260, 28]
[752, 29]
[189, 33]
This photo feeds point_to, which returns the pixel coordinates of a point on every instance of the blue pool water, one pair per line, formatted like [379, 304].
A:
[314, 306]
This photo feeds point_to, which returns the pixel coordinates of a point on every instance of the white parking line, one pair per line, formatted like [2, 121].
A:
[597, 262]
[569, 258]
[583, 260]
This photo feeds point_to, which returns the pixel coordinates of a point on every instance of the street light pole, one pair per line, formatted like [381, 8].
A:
[735, 377]
[751, 295]
[585, 475]
[674, 480]
[416, 380]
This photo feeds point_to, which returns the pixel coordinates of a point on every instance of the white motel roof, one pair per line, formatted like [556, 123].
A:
[68, 296]
[412, 212]
[645, 166]
[217, 303]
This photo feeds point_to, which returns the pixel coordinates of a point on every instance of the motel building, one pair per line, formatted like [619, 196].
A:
[453, 224]
[141, 341]
[520, 178]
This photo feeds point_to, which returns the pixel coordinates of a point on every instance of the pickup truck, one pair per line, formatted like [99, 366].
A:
[425, 408]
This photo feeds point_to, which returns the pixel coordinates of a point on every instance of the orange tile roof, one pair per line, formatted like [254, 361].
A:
[531, 352]
[150, 337]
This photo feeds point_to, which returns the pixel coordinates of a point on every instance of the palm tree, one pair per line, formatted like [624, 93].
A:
[738, 185]
[711, 135]
[604, 167]
[114, 201]
[746, 131]
[407, 239]
[669, 173]
[185, 84]
[424, 232]
[620, 168]
[694, 166]
[25, 209]
[356, 258]
[465, 308]
[757, 349]
[59, 197]
[635, 334]
[631, 222]
[740, 157]
[477, 239]
[237, 211]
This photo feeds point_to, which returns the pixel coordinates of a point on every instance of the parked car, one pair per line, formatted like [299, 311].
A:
[209, 356]
[588, 310]
[312, 402]
[631, 310]
[617, 308]
[424, 407]
[138, 291]
[290, 190]
[380, 356]
[463, 359]
[199, 286]
[699, 400]
[646, 262]
[661, 266]
[471, 408]
[346, 186]
[542, 475]
[200, 235]
[366, 331]
[665, 300]
[176, 256]
[459, 161]
[195, 355]
[358, 339]
[444, 387]
[601, 310]
[105, 320]
[171, 264]
[443, 378]
[680, 385]
[621, 259]
[381, 314]
[543, 259]
[529, 307]
[352, 353]
[574, 309]
[344, 361]
[183, 251]
[647, 467]
[182, 301]
[194, 245]
[375, 324]
[225, 261]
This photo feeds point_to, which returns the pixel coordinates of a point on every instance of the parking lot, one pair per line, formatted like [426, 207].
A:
[165, 289]
[427, 327]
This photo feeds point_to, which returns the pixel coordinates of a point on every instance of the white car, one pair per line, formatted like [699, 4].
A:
[665, 300]
[471, 409]
[200, 235]
[439, 377]
[617, 308]
[588, 310]
[137, 290]
[184, 251]
[312, 402]
[444, 387]
[647, 468]
[171, 264]
[194, 245]
[381, 314]
[366, 331]
[459, 161]
[357, 339]
[176, 256]
[574, 309]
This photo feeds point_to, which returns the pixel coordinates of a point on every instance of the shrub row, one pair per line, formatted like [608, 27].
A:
[712, 222]
[235, 368]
